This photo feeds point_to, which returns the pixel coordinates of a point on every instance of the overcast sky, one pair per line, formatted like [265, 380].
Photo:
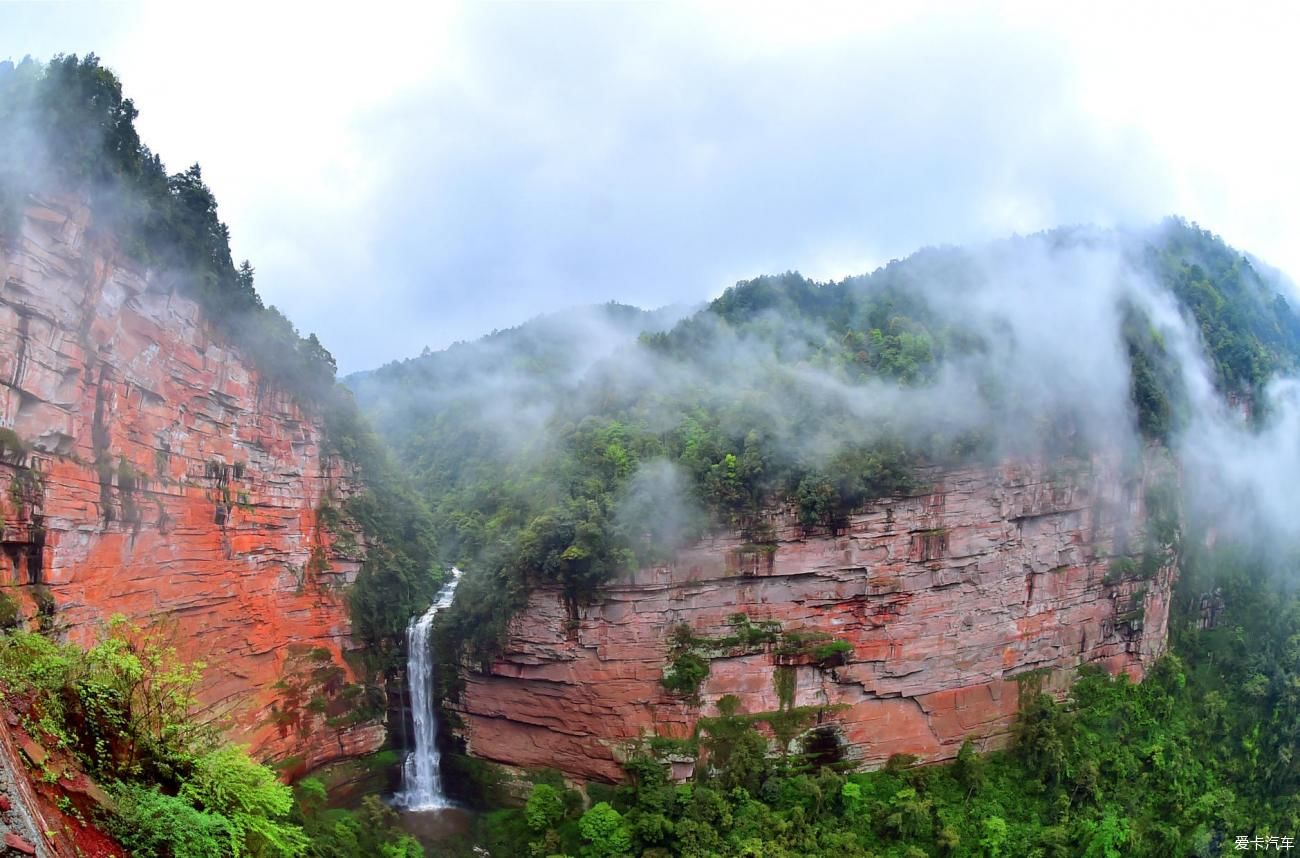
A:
[410, 177]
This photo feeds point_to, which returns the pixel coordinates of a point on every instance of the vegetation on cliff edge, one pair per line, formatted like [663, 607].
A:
[121, 713]
[72, 132]
[546, 462]
[1198, 755]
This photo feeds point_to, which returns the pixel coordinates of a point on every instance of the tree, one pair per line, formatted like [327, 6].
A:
[142, 693]
[545, 807]
[604, 828]
[228, 782]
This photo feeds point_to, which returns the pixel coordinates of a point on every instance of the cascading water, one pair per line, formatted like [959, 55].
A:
[421, 781]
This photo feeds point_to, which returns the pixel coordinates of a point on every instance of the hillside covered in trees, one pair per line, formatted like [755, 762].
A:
[825, 396]
[545, 458]
[572, 449]
[538, 474]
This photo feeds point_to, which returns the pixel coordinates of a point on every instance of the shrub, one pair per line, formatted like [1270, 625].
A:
[685, 673]
[1120, 568]
[545, 807]
[138, 694]
[11, 616]
[832, 653]
[45, 606]
[11, 443]
[151, 824]
[227, 781]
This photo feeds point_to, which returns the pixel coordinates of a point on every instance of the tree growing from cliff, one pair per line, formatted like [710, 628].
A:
[605, 831]
[1197, 755]
[134, 682]
[71, 131]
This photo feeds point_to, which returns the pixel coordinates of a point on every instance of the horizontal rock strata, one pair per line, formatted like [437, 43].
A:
[947, 602]
[149, 472]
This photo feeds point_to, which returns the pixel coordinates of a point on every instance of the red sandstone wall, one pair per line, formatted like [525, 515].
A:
[219, 536]
[945, 598]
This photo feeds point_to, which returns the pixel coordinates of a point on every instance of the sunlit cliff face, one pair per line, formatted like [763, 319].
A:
[161, 480]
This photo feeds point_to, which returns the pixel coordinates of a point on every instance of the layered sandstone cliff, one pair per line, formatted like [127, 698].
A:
[944, 604]
[147, 471]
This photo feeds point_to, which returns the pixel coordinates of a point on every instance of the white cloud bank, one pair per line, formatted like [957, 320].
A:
[415, 174]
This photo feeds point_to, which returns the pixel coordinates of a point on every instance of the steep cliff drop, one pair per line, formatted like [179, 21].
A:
[421, 778]
[914, 626]
[148, 469]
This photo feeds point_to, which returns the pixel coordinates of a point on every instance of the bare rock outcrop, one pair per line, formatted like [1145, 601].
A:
[146, 470]
[910, 628]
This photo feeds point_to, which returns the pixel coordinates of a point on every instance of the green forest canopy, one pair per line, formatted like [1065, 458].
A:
[1198, 755]
[543, 464]
[1201, 752]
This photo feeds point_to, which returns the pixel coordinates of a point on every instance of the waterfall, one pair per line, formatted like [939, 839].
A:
[421, 781]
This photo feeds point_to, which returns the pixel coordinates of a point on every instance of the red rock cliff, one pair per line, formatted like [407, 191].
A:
[942, 601]
[158, 478]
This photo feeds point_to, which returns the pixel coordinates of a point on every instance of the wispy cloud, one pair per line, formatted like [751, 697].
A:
[403, 178]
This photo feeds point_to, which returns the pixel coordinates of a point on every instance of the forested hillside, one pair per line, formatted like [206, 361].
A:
[544, 461]
[826, 395]
[754, 401]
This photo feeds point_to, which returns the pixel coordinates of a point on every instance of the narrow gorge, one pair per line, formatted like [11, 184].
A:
[988, 552]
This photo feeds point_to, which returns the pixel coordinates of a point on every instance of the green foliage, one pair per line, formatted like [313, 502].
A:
[826, 497]
[749, 634]
[138, 695]
[613, 479]
[371, 831]
[832, 652]
[685, 673]
[731, 425]
[1180, 764]
[226, 781]
[1120, 568]
[398, 577]
[784, 677]
[123, 705]
[606, 832]
[545, 807]
[11, 445]
[152, 824]
[1249, 329]
[125, 708]
[11, 615]
[46, 607]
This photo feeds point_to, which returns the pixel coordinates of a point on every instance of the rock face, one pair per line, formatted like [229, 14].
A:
[147, 471]
[945, 604]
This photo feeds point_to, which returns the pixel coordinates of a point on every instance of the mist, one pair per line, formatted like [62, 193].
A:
[1036, 365]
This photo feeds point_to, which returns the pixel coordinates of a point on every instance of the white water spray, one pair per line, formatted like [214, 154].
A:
[421, 780]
